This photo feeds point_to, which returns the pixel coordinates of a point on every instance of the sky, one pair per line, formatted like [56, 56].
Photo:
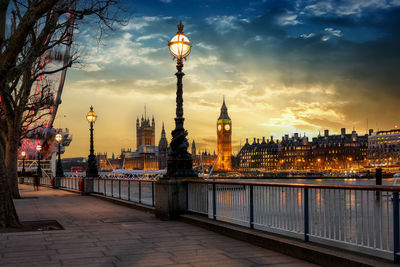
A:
[283, 67]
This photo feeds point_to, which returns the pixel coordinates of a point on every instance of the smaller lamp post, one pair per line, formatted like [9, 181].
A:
[39, 168]
[59, 169]
[91, 170]
[23, 154]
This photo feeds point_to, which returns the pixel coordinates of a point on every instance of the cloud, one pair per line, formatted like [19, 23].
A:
[160, 37]
[256, 38]
[205, 46]
[306, 36]
[138, 23]
[329, 33]
[148, 87]
[347, 8]
[288, 19]
[224, 24]
[166, 1]
[122, 50]
[91, 67]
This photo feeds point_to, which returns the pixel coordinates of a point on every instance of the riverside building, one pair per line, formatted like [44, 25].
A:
[296, 153]
[384, 148]
[258, 155]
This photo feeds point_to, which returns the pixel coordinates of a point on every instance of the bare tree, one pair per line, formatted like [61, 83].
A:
[37, 27]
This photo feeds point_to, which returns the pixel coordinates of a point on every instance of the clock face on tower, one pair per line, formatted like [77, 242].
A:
[227, 127]
[219, 127]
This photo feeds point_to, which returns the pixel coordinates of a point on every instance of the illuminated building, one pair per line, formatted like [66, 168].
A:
[384, 148]
[163, 150]
[147, 156]
[202, 158]
[224, 135]
[145, 132]
[327, 152]
[294, 153]
[106, 163]
[259, 156]
[342, 151]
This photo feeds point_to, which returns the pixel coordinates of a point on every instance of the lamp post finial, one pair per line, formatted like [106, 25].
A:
[180, 27]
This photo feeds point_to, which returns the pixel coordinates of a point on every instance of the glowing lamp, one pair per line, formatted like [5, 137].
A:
[179, 46]
[38, 148]
[91, 116]
[58, 138]
[23, 153]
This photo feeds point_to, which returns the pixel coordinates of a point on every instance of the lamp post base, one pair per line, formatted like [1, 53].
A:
[171, 198]
[91, 170]
[180, 167]
[59, 170]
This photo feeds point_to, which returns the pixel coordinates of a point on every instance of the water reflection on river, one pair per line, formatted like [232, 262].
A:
[356, 218]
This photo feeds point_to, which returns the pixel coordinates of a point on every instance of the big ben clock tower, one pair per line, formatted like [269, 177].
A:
[224, 133]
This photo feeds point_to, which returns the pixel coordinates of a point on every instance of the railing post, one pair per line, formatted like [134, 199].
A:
[119, 188]
[152, 193]
[129, 190]
[251, 208]
[140, 192]
[187, 195]
[306, 215]
[214, 202]
[112, 187]
[396, 225]
[105, 188]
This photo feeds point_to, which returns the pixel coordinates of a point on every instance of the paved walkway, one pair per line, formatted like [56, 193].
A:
[99, 233]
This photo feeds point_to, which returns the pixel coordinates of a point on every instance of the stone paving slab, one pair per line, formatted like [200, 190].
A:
[99, 233]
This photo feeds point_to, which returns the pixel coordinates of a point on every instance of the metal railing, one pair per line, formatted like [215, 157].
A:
[358, 218]
[136, 190]
[70, 183]
[43, 180]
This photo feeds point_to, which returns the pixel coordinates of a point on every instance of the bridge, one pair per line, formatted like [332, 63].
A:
[358, 219]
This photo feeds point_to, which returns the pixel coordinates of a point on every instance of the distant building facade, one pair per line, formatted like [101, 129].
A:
[294, 153]
[259, 156]
[327, 152]
[384, 148]
[342, 151]
[145, 132]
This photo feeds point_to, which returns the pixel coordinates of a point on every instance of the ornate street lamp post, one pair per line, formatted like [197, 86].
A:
[59, 169]
[91, 170]
[23, 154]
[179, 159]
[39, 168]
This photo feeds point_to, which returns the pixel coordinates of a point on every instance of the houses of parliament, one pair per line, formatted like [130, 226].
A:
[149, 156]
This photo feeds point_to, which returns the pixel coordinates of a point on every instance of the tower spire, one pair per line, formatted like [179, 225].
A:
[163, 131]
[224, 110]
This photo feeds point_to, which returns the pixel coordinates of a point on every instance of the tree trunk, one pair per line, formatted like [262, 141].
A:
[12, 161]
[8, 215]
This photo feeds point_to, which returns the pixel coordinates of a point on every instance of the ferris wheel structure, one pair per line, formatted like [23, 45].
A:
[53, 68]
